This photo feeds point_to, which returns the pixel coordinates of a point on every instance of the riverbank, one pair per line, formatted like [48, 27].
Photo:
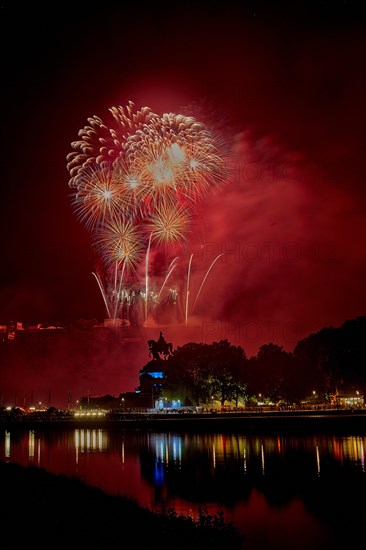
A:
[340, 422]
[57, 511]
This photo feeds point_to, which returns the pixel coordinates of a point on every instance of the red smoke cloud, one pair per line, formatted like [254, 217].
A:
[291, 240]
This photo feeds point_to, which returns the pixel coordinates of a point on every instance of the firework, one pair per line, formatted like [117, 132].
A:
[102, 293]
[204, 279]
[187, 289]
[170, 271]
[104, 142]
[98, 196]
[173, 158]
[169, 225]
[130, 186]
[120, 242]
[136, 179]
[177, 157]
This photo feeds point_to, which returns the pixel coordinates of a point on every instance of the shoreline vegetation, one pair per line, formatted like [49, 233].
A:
[64, 512]
[301, 421]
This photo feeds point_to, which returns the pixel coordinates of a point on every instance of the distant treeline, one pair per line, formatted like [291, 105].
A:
[321, 365]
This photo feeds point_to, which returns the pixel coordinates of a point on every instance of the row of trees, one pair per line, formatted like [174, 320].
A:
[328, 361]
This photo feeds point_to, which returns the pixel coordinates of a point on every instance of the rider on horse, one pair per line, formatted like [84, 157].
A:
[160, 346]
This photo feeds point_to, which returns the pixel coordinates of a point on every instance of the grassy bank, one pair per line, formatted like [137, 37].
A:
[41, 509]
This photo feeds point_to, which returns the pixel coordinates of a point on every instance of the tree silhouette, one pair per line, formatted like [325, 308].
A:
[198, 372]
[334, 358]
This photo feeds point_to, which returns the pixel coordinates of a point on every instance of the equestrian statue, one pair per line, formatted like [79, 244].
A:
[160, 349]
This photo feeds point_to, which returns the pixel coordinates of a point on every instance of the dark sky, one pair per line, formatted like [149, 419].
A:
[289, 80]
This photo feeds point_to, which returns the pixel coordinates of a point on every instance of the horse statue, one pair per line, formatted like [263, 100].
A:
[160, 347]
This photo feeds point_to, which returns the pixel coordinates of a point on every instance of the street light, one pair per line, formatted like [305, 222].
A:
[314, 398]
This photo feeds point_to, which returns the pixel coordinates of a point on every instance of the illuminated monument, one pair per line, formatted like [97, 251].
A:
[146, 395]
[152, 374]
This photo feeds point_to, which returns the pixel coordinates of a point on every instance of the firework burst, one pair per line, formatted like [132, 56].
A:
[136, 181]
[98, 197]
[105, 142]
[121, 243]
[178, 157]
[169, 225]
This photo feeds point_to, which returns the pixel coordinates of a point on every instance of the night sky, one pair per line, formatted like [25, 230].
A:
[286, 82]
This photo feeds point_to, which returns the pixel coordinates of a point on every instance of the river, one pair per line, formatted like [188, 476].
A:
[280, 491]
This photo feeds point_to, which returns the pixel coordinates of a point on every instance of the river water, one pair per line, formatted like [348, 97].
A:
[281, 492]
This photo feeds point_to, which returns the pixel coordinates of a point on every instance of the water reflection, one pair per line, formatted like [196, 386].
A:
[7, 444]
[90, 441]
[312, 484]
[31, 445]
[317, 460]
[167, 448]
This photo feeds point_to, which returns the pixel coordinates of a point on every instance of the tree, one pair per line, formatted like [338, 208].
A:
[335, 357]
[271, 373]
[187, 372]
[227, 368]
[198, 372]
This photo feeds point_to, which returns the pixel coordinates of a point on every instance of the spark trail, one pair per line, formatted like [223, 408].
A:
[187, 291]
[102, 293]
[204, 279]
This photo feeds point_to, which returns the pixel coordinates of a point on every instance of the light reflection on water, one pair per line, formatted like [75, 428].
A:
[266, 485]
[90, 440]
